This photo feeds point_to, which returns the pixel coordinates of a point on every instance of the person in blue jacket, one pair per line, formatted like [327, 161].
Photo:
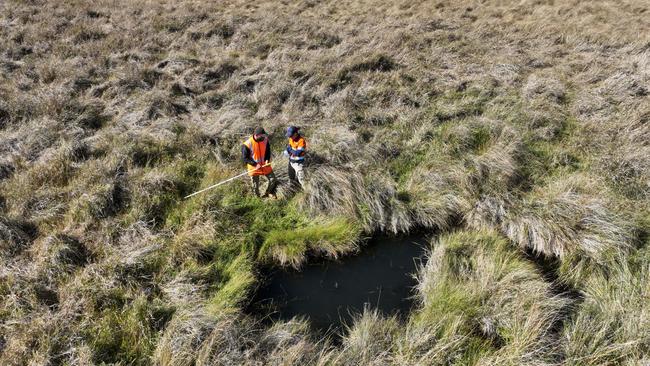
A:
[296, 150]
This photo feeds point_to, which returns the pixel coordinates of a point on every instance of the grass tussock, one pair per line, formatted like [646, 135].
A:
[475, 284]
[14, 238]
[611, 323]
[369, 340]
[289, 247]
[201, 338]
[377, 202]
[564, 220]
[560, 219]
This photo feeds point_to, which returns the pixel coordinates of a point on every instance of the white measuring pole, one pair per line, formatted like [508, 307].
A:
[223, 182]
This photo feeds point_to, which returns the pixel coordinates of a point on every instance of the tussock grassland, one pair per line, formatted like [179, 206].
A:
[517, 130]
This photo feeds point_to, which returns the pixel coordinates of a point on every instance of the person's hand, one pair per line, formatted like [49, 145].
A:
[286, 153]
[258, 166]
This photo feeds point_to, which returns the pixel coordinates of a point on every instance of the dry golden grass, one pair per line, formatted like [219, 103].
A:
[523, 122]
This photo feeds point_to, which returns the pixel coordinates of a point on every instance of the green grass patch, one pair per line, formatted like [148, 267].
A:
[403, 165]
[157, 194]
[468, 288]
[544, 159]
[238, 280]
[290, 246]
[128, 335]
[458, 104]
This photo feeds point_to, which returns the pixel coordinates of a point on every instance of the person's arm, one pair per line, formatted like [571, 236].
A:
[303, 147]
[246, 155]
[267, 153]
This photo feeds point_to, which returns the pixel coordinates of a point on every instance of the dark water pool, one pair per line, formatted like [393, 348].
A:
[330, 292]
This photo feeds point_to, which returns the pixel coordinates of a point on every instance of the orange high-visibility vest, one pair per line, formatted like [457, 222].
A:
[258, 151]
[299, 145]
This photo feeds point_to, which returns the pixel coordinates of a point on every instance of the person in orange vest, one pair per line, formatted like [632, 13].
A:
[256, 153]
[296, 150]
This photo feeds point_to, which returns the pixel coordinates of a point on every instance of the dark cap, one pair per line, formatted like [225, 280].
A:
[291, 130]
[259, 131]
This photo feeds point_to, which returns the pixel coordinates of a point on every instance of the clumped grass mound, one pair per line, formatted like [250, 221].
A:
[289, 246]
[517, 131]
[611, 324]
[566, 217]
[14, 238]
[197, 337]
[476, 284]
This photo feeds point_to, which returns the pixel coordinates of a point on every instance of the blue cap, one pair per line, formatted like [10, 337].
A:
[291, 130]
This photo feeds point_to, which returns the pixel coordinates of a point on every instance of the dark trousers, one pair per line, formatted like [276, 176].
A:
[270, 187]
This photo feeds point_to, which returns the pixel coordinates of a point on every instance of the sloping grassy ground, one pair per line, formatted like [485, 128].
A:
[518, 129]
